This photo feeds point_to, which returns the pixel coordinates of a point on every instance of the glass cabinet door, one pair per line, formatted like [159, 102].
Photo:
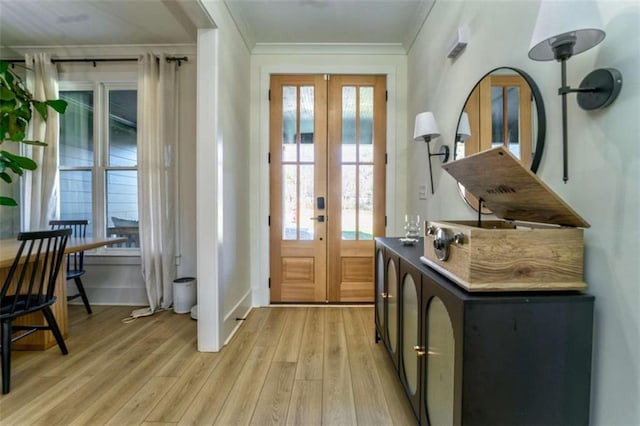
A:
[440, 364]
[410, 332]
[380, 290]
[392, 305]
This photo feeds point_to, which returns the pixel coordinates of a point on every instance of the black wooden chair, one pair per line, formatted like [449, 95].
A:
[75, 261]
[29, 287]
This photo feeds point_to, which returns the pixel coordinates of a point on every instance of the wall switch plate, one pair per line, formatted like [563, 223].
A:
[422, 192]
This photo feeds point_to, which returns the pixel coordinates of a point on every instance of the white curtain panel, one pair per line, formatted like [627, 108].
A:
[157, 144]
[40, 187]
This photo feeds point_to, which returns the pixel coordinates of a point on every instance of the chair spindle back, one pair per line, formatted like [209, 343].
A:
[34, 270]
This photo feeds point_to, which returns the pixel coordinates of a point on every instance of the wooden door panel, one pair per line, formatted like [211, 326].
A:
[297, 178]
[356, 164]
[303, 273]
[356, 276]
[356, 269]
[298, 269]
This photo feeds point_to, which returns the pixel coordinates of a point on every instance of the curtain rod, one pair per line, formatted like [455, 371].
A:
[178, 59]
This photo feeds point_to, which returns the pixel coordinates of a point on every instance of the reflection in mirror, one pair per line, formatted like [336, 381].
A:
[504, 108]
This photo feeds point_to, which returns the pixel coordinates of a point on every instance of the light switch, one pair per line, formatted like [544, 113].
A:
[422, 192]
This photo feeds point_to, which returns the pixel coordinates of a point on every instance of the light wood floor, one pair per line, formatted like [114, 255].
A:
[285, 365]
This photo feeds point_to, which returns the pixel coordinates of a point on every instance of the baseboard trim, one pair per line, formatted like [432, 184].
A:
[320, 305]
[114, 296]
[233, 320]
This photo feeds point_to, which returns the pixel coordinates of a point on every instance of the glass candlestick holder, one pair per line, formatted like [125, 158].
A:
[411, 227]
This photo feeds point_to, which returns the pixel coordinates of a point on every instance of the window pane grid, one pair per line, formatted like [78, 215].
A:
[306, 199]
[98, 170]
[289, 123]
[365, 138]
[298, 162]
[76, 196]
[306, 125]
[357, 161]
[77, 129]
[513, 120]
[289, 202]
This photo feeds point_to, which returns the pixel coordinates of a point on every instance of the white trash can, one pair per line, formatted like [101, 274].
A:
[184, 294]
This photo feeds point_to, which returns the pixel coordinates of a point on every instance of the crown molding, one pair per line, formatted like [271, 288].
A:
[328, 49]
[89, 51]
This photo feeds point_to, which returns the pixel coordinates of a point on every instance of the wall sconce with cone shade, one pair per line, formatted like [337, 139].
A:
[564, 29]
[464, 129]
[426, 129]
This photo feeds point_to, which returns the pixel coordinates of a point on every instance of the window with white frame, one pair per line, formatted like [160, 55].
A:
[98, 159]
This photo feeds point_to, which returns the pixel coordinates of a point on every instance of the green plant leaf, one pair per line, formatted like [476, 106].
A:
[23, 162]
[41, 107]
[7, 106]
[16, 111]
[9, 77]
[15, 168]
[24, 112]
[16, 128]
[7, 201]
[6, 94]
[35, 143]
[59, 105]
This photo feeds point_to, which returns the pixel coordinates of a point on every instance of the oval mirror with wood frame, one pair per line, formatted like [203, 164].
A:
[504, 108]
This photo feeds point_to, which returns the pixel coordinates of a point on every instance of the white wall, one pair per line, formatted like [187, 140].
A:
[232, 167]
[604, 162]
[304, 61]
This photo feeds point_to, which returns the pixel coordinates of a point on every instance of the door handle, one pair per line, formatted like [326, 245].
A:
[319, 218]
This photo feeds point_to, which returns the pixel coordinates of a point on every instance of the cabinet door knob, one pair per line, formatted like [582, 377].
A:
[384, 295]
[419, 350]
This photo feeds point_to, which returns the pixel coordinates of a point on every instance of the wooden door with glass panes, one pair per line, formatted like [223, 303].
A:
[327, 181]
[500, 113]
[357, 145]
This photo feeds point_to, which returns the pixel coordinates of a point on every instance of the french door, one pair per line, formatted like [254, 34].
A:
[327, 186]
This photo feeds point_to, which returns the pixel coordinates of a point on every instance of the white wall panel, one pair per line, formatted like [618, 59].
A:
[604, 161]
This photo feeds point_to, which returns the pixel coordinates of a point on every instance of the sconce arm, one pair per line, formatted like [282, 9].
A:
[565, 161]
[443, 154]
[430, 172]
[444, 157]
[567, 89]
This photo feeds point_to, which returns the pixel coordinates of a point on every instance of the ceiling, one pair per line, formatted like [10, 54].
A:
[97, 22]
[329, 21]
[261, 22]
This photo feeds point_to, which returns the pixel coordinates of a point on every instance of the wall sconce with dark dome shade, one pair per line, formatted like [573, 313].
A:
[426, 129]
[564, 29]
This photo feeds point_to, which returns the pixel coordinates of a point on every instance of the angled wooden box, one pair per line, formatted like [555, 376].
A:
[538, 246]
